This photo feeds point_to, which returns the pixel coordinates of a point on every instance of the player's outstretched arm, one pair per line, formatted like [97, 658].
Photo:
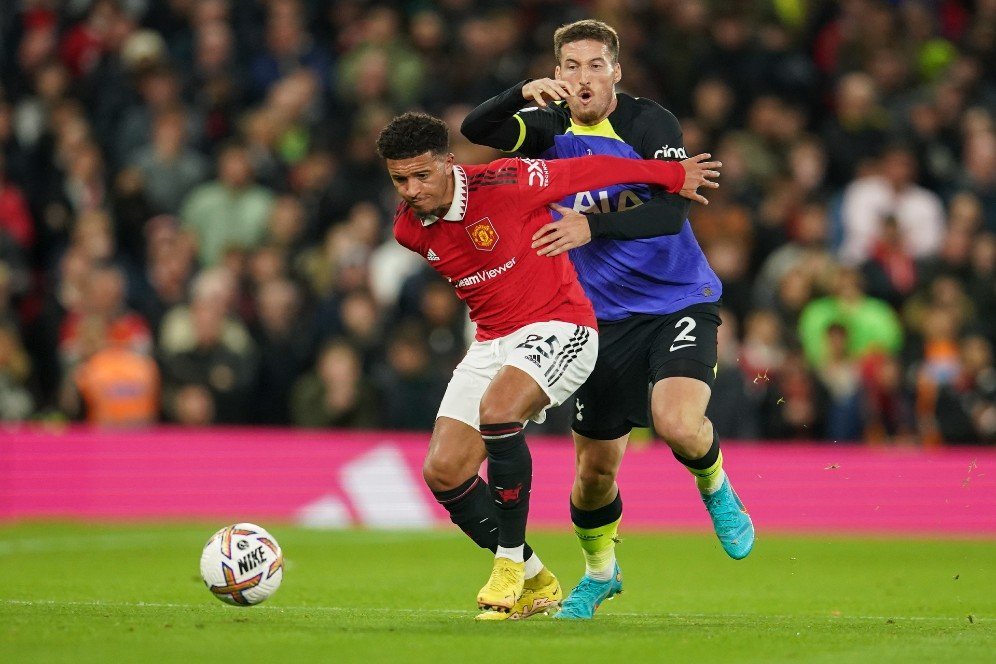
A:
[575, 229]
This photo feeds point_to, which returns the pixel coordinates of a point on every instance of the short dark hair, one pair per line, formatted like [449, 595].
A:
[412, 134]
[586, 29]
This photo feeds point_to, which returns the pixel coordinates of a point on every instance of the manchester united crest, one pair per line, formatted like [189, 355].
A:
[483, 234]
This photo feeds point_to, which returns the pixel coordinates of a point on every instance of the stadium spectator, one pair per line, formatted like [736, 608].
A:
[871, 324]
[113, 385]
[169, 265]
[159, 92]
[211, 380]
[890, 272]
[409, 386]
[799, 263]
[169, 168]
[733, 408]
[857, 131]
[967, 407]
[840, 378]
[336, 393]
[286, 225]
[288, 47]
[211, 289]
[84, 43]
[103, 300]
[16, 223]
[443, 325]
[230, 211]
[937, 369]
[890, 192]
[793, 402]
[379, 74]
[888, 409]
[979, 170]
[16, 400]
[982, 284]
[216, 82]
[285, 346]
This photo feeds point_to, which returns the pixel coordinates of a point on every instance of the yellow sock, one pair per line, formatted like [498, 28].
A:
[708, 480]
[599, 547]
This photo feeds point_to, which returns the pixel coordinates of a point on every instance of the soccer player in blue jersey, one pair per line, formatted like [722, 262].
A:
[654, 294]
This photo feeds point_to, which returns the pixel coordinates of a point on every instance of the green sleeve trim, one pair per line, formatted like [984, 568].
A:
[522, 134]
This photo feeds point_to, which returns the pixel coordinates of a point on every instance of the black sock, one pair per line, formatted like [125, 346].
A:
[706, 461]
[510, 474]
[475, 513]
[596, 518]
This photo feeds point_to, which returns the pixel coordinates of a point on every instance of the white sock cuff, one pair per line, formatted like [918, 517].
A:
[533, 566]
[514, 553]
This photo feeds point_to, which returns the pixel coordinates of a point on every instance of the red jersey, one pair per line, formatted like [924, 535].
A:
[482, 245]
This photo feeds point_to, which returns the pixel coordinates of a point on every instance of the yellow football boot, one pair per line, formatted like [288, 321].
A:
[502, 590]
[540, 594]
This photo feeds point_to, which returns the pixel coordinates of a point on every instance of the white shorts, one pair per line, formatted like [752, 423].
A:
[558, 356]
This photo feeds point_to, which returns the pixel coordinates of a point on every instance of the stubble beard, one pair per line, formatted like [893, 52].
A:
[589, 116]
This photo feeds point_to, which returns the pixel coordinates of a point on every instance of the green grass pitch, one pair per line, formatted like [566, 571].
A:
[107, 593]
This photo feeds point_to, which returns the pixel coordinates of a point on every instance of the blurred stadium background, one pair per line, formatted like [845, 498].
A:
[203, 317]
[195, 228]
[195, 232]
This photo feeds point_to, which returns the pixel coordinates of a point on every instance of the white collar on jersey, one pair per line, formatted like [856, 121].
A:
[459, 206]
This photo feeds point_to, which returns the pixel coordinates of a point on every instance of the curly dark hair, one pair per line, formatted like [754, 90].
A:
[412, 134]
[586, 29]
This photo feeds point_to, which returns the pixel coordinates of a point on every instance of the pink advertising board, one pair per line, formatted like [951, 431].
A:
[373, 479]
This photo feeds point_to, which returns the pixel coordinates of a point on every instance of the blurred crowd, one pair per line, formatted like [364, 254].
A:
[195, 226]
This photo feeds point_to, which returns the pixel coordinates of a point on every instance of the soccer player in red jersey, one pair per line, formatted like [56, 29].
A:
[536, 338]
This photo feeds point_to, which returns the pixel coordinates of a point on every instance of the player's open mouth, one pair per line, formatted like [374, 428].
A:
[585, 96]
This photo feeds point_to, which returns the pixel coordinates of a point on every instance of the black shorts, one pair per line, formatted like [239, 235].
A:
[635, 353]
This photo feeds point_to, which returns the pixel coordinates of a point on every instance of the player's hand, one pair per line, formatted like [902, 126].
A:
[557, 237]
[543, 89]
[699, 173]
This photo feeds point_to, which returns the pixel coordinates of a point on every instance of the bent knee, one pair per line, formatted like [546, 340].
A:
[445, 473]
[596, 478]
[496, 413]
[678, 430]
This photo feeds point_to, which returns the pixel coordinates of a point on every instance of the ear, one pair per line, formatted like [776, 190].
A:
[448, 164]
[556, 72]
[617, 76]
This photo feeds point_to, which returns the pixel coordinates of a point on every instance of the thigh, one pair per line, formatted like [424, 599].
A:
[614, 398]
[681, 398]
[686, 345]
[470, 380]
[558, 356]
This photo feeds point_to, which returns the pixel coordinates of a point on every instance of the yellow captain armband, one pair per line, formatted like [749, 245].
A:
[522, 134]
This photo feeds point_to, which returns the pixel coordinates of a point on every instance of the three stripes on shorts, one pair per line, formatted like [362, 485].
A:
[567, 354]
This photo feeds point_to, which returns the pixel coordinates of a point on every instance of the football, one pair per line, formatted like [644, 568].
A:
[242, 564]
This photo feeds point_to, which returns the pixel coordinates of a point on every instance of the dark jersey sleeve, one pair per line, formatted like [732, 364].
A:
[655, 134]
[501, 122]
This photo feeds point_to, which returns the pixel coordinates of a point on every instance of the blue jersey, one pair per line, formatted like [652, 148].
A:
[658, 275]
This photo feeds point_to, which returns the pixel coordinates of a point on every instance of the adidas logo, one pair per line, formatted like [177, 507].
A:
[535, 359]
[431, 256]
